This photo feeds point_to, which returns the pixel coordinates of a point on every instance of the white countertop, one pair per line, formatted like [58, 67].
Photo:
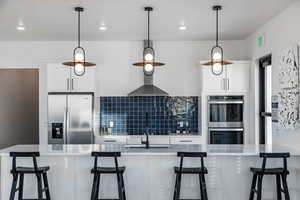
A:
[212, 150]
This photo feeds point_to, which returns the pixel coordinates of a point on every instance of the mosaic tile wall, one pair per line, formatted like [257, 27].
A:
[155, 115]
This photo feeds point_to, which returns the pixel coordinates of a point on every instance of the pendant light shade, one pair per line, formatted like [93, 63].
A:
[79, 63]
[217, 54]
[149, 62]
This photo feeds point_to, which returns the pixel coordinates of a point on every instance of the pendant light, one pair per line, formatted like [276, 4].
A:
[149, 62]
[79, 57]
[217, 55]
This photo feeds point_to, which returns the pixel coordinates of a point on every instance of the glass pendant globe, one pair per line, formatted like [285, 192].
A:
[148, 57]
[217, 68]
[148, 67]
[79, 68]
[217, 56]
[79, 57]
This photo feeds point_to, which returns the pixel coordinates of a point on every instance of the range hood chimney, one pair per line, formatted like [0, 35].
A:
[148, 89]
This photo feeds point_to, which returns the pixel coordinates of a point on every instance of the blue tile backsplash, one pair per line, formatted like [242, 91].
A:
[155, 115]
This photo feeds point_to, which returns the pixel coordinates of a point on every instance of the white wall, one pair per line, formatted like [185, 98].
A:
[281, 32]
[115, 73]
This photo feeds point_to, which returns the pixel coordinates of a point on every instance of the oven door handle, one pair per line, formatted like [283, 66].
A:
[226, 129]
[225, 102]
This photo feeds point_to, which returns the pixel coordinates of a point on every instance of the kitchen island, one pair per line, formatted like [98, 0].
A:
[149, 173]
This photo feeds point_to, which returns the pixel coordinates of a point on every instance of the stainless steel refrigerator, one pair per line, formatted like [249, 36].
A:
[70, 118]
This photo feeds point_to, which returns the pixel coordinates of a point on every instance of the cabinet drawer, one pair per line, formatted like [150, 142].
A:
[186, 140]
[110, 140]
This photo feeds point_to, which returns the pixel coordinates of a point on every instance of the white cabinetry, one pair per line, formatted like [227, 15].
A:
[234, 79]
[62, 79]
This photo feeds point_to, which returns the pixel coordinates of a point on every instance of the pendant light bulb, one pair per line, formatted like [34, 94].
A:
[148, 68]
[148, 57]
[217, 56]
[79, 69]
[79, 57]
[217, 68]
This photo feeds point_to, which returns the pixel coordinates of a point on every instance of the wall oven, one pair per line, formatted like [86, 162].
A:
[226, 135]
[225, 111]
[226, 119]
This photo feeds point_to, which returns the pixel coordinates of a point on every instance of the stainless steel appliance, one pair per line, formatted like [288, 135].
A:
[70, 117]
[226, 119]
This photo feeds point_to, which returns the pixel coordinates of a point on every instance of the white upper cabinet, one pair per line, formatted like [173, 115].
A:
[234, 79]
[61, 79]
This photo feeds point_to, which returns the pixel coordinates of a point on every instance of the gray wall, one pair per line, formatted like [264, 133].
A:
[19, 106]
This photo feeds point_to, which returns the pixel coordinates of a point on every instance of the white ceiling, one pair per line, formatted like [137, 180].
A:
[126, 20]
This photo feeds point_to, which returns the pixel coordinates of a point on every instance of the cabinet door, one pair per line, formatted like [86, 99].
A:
[85, 83]
[238, 77]
[211, 82]
[58, 78]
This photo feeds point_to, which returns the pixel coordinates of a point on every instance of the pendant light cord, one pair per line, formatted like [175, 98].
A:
[148, 28]
[78, 28]
[217, 27]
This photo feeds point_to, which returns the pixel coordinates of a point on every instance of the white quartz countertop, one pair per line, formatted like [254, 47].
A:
[212, 150]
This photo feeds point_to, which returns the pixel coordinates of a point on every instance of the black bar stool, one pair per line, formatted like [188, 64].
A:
[40, 172]
[97, 171]
[280, 173]
[200, 171]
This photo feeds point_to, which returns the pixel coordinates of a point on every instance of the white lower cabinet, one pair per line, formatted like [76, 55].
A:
[61, 78]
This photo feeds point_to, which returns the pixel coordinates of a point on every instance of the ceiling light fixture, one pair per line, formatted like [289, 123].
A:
[103, 27]
[79, 62]
[149, 62]
[182, 27]
[21, 26]
[217, 55]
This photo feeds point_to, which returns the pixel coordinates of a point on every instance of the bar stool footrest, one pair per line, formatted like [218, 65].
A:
[108, 199]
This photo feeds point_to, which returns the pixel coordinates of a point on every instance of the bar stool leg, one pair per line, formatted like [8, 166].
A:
[21, 183]
[40, 187]
[178, 186]
[123, 187]
[253, 186]
[94, 187]
[13, 187]
[259, 187]
[46, 185]
[201, 186]
[120, 193]
[278, 185]
[204, 187]
[285, 187]
[175, 187]
[97, 186]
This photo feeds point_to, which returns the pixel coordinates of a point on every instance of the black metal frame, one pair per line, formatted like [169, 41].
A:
[217, 8]
[78, 10]
[41, 175]
[280, 173]
[198, 171]
[97, 171]
[148, 46]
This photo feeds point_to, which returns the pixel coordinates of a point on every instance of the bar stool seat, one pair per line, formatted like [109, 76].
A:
[30, 170]
[191, 170]
[269, 171]
[108, 170]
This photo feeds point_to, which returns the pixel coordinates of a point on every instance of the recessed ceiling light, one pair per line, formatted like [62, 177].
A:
[103, 27]
[21, 28]
[182, 27]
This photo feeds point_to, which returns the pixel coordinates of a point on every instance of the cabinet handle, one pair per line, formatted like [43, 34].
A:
[185, 141]
[68, 84]
[227, 83]
[72, 83]
[110, 140]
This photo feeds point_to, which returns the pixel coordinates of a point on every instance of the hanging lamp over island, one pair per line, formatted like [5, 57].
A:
[217, 55]
[148, 62]
[79, 62]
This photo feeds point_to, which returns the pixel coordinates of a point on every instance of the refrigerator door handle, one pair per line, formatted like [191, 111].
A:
[65, 125]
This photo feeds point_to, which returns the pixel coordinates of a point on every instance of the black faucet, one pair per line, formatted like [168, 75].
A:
[147, 132]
